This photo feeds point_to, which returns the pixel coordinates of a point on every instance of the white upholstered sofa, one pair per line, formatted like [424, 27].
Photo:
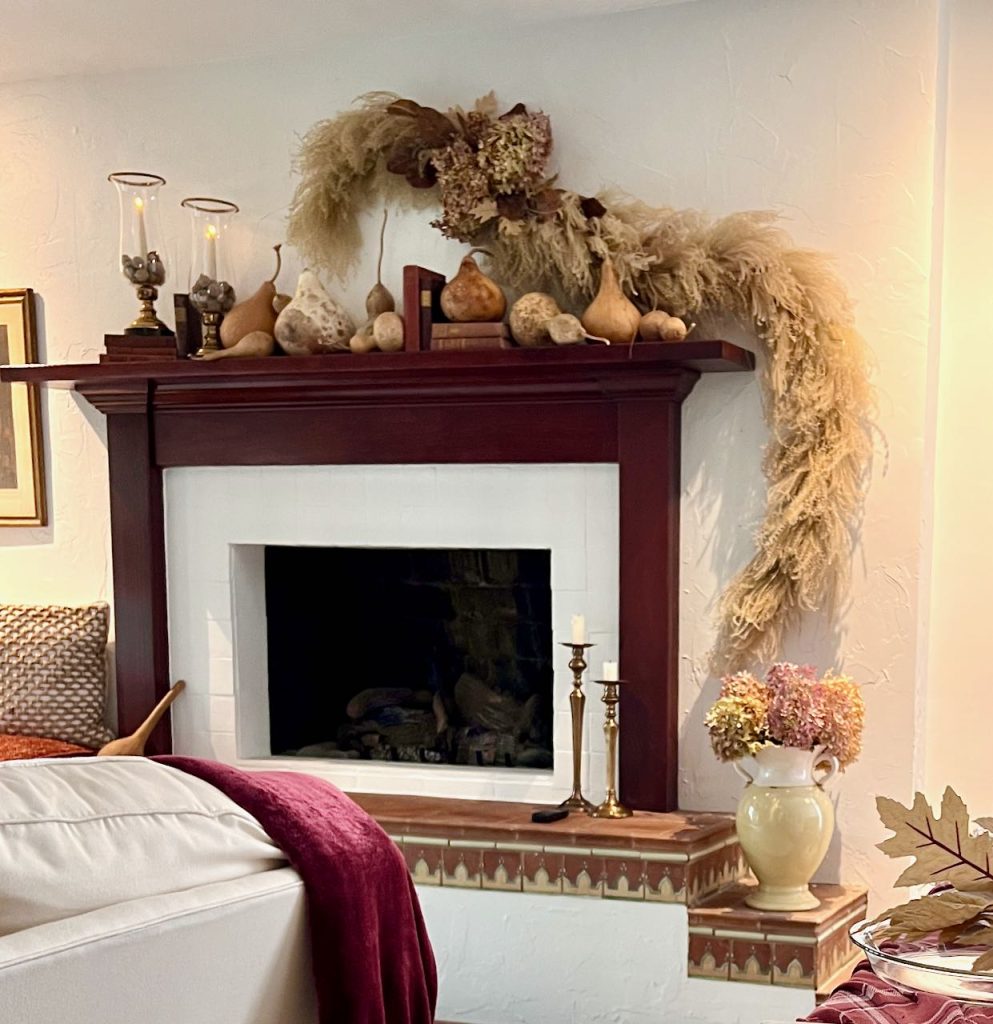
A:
[159, 902]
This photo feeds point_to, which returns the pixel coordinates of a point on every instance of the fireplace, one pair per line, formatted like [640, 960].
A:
[299, 596]
[410, 655]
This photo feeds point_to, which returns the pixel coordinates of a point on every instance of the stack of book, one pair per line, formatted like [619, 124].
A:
[135, 348]
[469, 337]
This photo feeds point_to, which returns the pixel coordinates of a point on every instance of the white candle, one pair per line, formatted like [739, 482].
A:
[139, 206]
[212, 252]
[579, 629]
[610, 672]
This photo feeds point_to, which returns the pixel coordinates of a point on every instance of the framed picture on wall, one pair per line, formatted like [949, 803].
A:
[22, 464]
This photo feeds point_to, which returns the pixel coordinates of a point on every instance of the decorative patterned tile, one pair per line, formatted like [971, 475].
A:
[664, 881]
[751, 960]
[502, 870]
[582, 874]
[709, 957]
[542, 873]
[793, 964]
[623, 878]
[462, 868]
[423, 861]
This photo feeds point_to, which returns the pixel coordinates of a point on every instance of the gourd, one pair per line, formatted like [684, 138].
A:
[387, 330]
[471, 296]
[380, 298]
[253, 345]
[254, 314]
[529, 319]
[611, 314]
[313, 323]
[660, 326]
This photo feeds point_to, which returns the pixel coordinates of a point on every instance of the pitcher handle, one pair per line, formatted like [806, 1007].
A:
[830, 772]
[741, 771]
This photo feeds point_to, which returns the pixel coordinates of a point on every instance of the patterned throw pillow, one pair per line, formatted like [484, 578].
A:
[53, 672]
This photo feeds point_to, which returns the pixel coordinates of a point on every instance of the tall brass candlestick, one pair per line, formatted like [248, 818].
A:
[611, 806]
[577, 705]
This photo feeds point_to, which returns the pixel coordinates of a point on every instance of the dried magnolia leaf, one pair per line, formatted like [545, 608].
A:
[932, 913]
[984, 963]
[943, 849]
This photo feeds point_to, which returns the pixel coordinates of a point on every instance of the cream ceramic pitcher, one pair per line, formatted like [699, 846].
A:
[784, 822]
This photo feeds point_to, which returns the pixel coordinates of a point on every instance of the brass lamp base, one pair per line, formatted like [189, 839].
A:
[147, 322]
[211, 336]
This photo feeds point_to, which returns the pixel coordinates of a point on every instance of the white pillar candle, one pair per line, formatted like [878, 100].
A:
[610, 672]
[212, 252]
[579, 629]
[139, 207]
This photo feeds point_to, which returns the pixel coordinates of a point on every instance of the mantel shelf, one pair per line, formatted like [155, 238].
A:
[420, 371]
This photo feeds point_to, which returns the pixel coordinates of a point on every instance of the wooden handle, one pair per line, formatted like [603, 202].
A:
[134, 745]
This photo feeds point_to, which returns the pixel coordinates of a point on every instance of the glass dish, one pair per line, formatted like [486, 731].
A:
[925, 965]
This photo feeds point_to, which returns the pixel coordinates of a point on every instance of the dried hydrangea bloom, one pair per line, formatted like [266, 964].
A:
[843, 716]
[744, 684]
[787, 672]
[796, 709]
[514, 152]
[464, 189]
[736, 727]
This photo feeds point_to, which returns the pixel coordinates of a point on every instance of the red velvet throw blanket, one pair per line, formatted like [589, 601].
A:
[867, 999]
[372, 959]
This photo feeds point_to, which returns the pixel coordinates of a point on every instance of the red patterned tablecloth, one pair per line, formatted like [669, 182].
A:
[867, 999]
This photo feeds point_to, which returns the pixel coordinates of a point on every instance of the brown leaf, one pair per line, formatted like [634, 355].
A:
[547, 202]
[517, 108]
[512, 207]
[942, 848]
[984, 963]
[932, 913]
[407, 158]
[592, 207]
[429, 127]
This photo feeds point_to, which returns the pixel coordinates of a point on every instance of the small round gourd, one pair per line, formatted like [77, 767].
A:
[529, 317]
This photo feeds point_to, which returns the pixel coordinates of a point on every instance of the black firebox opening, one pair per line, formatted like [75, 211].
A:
[431, 656]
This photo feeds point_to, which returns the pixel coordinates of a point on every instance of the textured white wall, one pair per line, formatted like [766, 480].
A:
[959, 699]
[823, 111]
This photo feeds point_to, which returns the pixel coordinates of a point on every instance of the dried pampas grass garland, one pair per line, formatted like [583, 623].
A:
[817, 393]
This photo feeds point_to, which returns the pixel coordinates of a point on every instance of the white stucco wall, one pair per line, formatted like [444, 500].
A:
[822, 111]
[959, 660]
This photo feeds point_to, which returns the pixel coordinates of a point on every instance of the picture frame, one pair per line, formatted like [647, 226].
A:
[22, 458]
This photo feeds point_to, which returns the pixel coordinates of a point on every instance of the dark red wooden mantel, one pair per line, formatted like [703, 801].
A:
[579, 404]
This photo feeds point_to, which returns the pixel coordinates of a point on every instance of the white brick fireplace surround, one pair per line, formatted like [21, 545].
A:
[218, 521]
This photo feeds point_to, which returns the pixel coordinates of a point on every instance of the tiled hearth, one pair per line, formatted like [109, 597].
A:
[682, 857]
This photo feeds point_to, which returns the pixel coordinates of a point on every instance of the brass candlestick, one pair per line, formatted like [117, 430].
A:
[611, 806]
[577, 705]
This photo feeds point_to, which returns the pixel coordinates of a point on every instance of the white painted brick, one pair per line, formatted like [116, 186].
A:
[565, 509]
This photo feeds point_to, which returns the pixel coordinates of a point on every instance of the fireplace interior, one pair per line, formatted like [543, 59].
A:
[429, 656]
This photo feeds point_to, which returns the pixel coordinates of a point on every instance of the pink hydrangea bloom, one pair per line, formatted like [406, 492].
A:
[796, 712]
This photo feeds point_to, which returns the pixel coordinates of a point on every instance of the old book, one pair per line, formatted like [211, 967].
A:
[421, 306]
[138, 357]
[470, 344]
[115, 342]
[470, 330]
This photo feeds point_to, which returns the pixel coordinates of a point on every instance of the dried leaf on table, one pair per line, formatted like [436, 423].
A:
[983, 963]
[973, 933]
[986, 823]
[942, 847]
[932, 913]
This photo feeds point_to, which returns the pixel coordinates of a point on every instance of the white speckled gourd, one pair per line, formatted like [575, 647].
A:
[313, 323]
